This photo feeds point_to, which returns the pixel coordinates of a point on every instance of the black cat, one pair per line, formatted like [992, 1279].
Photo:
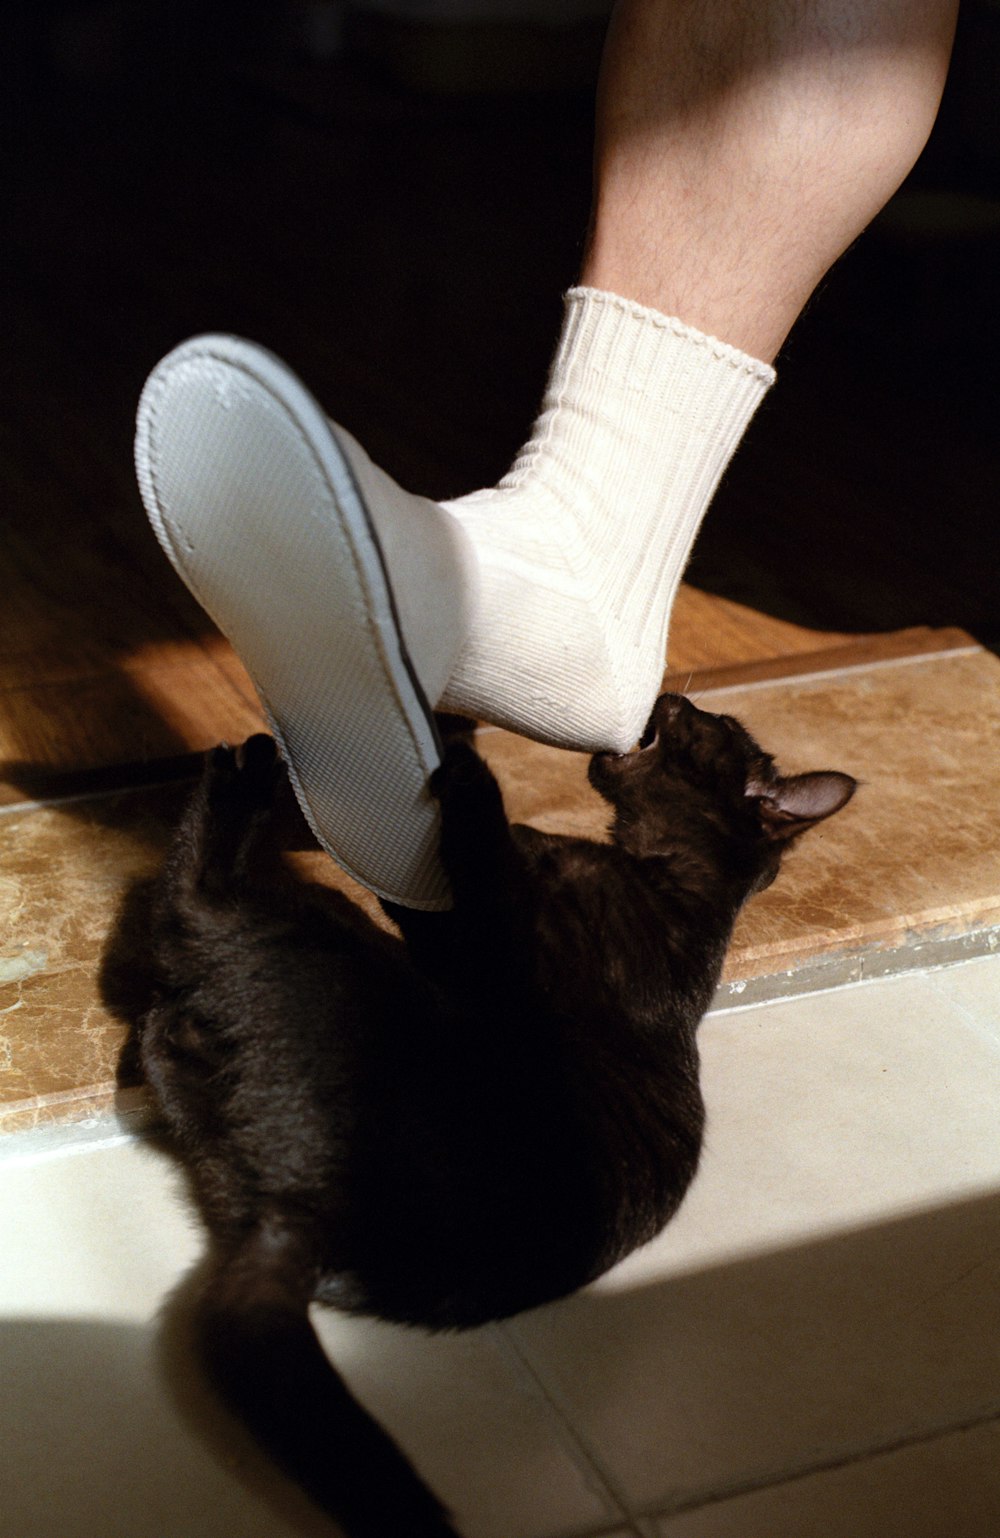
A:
[467, 1122]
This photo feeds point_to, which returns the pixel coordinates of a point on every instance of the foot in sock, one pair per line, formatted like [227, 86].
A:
[582, 545]
[541, 605]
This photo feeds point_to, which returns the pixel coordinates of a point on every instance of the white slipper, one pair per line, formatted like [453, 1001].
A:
[256, 503]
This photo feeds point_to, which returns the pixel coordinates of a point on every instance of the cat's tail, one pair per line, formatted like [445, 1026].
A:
[266, 1361]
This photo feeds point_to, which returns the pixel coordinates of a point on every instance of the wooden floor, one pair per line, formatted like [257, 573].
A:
[406, 253]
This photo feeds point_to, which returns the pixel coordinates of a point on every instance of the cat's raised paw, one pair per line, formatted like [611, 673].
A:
[258, 755]
[245, 777]
[219, 763]
[259, 770]
[460, 769]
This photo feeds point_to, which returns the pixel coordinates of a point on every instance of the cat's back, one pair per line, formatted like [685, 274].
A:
[617, 941]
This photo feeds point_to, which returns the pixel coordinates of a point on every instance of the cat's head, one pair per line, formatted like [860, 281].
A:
[700, 781]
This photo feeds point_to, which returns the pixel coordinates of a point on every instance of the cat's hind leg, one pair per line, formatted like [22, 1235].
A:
[167, 927]
[222, 836]
[244, 807]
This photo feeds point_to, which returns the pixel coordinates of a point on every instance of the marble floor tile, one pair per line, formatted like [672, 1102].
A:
[891, 880]
[945, 1485]
[62, 872]
[864, 892]
[916, 856]
[829, 1286]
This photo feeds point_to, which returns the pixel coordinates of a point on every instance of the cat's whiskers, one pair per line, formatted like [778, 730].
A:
[695, 699]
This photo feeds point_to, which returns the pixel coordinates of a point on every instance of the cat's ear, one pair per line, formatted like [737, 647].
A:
[790, 806]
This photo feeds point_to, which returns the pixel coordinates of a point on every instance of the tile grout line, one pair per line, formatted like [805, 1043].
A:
[986, 1034]
[591, 1472]
[758, 1486]
[846, 671]
[731, 1002]
[53, 803]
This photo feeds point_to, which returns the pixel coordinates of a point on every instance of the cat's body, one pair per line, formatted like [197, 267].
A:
[454, 1127]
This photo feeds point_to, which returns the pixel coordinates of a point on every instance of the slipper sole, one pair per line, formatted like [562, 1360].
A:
[256, 507]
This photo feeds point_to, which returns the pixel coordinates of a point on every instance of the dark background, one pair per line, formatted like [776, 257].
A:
[399, 223]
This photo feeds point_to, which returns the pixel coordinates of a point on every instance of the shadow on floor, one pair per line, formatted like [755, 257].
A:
[720, 1381]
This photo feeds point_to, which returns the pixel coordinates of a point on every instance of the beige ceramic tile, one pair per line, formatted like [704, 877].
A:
[685, 1389]
[949, 1485]
[974, 989]
[94, 1240]
[837, 1110]
[476, 1427]
[94, 1445]
[829, 1286]
[98, 1228]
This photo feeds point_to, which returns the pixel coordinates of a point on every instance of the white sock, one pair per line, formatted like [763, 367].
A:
[581, 547]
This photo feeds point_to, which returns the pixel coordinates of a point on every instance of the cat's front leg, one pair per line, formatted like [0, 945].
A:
[477, 850]
[484, 935]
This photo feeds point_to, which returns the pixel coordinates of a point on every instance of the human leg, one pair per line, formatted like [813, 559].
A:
[735, 159]
[740, 149]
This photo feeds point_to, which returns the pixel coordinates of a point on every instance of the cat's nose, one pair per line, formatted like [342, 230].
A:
[669, 707]
[665, 712]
